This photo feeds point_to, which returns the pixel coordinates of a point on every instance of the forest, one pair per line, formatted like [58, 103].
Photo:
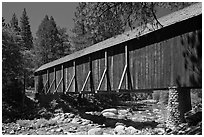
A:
[23, 53]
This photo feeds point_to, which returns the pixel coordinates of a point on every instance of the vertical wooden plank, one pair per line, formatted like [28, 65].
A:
[75, 74]
[147, 67]
[143, 67]
[55, 81]
[136, 66]
[62, 75]
[126, 63]
[162, 65]
[159, 66]
[48, 85]
[139, 68]
[112, 69]
[131, 67]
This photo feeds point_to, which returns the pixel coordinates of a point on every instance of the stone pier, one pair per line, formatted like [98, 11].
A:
[179, 103]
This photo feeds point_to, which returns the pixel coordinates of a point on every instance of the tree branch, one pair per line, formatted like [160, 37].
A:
[154, 15]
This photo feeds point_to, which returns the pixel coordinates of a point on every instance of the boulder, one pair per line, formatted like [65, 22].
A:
[112, 110]
[95, 131]
[120, 130]
[109, 115]
[123, 112]
[131, 130]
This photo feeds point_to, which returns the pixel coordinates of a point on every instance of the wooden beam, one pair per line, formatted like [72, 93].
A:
[122, 77]
[55, 84]
[58, 85]
[48, 79]
[91, 74]
[70, 83]
[108, 85]
[101, 80]
[75, 76]
[44, 87]
[126, 72]
[63, 79]
[87, 77]
[50, 86]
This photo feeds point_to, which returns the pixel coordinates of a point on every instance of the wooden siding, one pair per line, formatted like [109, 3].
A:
[154, 61]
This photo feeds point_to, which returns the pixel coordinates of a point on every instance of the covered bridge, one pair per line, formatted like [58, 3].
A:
[153, 58]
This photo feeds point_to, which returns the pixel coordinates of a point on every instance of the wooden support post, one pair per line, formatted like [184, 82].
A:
[48, 80]
[58, 85]
[91, 74]
[100, 82]
[108, 86]
[70, 83]
[87, 77]
[55, 84]
[51, 86]
[63, 80]
[127, 64]
[128, 76]
[75, 76]
[122, 77]
[126, 72]
[105, 73]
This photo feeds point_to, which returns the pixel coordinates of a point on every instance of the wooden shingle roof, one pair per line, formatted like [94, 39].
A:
[181, 15]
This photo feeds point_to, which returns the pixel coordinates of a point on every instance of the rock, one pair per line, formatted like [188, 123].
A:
[56, 118]
[156, 110]
[120, 130]
[106, 134]
[118, 123]
[71, 115]
[131, 130]
[86, 122]
[59, 130]
[52, 130]
[109, 115]
[18, 128]
[121, 117]
[76, 120]
[81, 133]
[159, 131]
[95, 131]
[12, 132]
[89, 113]
[112, 110]
[123, 112]
[67, 120]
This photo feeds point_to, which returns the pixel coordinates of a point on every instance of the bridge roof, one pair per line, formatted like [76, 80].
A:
[181, 15]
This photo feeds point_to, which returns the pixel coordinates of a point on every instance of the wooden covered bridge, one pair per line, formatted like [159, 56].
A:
[154, 58]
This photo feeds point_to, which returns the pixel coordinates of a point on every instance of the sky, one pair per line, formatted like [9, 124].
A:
[62, 12]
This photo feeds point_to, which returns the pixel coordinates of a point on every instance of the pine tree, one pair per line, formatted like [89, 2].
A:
[50, 43]
[26, 31]
[14, 24]
[11, 62]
